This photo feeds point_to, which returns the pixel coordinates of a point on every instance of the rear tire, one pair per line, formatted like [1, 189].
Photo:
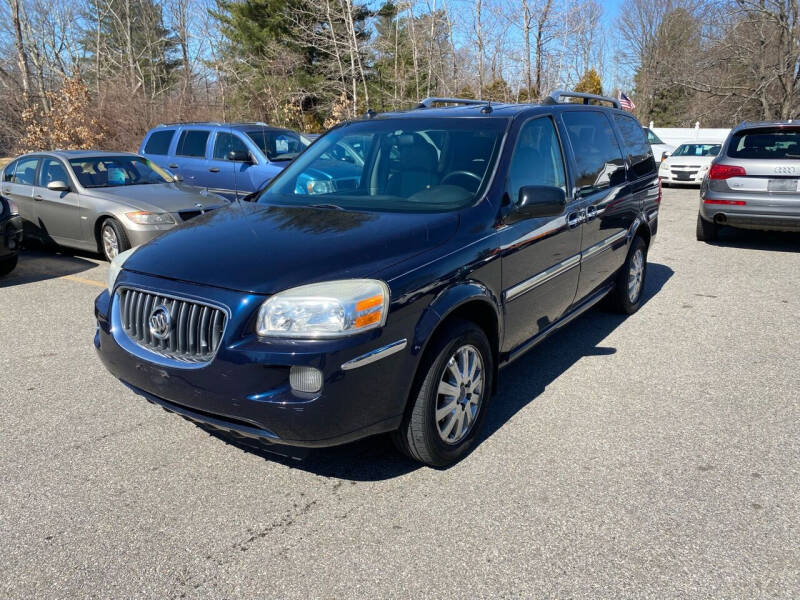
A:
[440, 428]
[629, 289]
[113, 239]
[707, 231]
[7, 264]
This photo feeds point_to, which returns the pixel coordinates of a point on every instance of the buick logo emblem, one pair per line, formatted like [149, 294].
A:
[784, 170]
[160, 322]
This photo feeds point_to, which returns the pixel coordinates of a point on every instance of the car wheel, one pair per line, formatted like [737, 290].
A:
[113, 239]
[707, 231]
[449, 405]
[627, 295]
[7, 264]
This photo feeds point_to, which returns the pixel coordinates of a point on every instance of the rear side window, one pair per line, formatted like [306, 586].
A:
[159, 142]
[8, 173]
[192, 143]
[597, 154]
[767, 142]
[227, 143]
[638, 150]
[25, 172]
[537, 158]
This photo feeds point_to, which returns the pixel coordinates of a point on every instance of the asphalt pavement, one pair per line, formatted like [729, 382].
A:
[654, 456]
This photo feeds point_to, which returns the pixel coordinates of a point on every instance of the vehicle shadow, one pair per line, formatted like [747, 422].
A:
[774, 241]
[37, 264]
[375, 458]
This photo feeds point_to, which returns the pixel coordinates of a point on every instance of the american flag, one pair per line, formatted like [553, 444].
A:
[626, 102]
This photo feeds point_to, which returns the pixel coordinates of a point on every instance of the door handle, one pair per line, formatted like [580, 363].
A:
[38, 197]
[575, 219]
[591, 213]
[214, 170]
[173, 166]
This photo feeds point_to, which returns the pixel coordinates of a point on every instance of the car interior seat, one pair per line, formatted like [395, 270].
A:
[419, 162]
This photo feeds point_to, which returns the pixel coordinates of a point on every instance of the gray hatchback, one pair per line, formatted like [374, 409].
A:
[99, 201]
[754, 182]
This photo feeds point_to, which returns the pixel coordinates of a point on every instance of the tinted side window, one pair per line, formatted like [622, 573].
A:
[638, 150]
[8, 173]
[192, 143]
[159, 142]
[537, 158]
[25, 173]
[227, 143]
[597, 154]
[52, 170]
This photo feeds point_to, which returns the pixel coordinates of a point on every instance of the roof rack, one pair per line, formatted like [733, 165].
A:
[260, 123]
[429, 102]
[555, 97]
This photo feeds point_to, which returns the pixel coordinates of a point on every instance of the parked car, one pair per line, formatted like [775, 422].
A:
[754, 182]
[10, 235]
[229, 159]
[104, 202]
[660, 149]
[471, 234]
[689, 163]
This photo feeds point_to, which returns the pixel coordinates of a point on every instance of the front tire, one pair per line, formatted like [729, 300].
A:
[449, 404]
[707, 231]
[113, 239]
[627, 295]
[7, 264]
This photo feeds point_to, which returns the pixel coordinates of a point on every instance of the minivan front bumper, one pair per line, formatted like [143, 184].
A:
[246, 389]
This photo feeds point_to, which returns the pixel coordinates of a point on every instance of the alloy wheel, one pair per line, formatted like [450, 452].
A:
[110, 242]
[459, 394]
[635, 275]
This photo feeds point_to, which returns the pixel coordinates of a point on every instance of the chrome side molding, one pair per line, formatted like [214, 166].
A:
[544, 276]
[374, 355]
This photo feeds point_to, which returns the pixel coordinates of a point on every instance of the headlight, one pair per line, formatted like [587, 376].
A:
[116, 266]
[319, 187]
[145, 217]
[330, 309]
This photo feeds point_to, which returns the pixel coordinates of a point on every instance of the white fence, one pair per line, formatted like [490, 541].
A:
[680, 135]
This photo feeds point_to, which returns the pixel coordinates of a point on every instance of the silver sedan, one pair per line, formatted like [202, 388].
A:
[99, 201]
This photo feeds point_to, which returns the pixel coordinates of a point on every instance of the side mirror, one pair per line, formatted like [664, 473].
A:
[539, 201]
[242, 156]
[58, 186]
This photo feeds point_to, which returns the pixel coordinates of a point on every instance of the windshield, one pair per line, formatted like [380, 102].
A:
[405, 165]
[767, 142]
[277, 144]
[697, 150]
[115, 171]
[652, 138]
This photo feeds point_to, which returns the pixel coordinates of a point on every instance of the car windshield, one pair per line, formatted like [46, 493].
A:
[403, 165]
[697, 150]
[652, 138]
[766, 142]
[115, 171]
[278, 144]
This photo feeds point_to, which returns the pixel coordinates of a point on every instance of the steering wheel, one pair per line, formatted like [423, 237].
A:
[456, 173]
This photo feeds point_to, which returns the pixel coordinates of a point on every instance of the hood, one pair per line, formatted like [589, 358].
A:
[168, 197]
[264, 249]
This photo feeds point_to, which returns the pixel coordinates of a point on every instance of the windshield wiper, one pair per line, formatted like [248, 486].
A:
[326, 205]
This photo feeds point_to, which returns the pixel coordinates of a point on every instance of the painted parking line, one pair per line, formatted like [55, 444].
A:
[84, 280]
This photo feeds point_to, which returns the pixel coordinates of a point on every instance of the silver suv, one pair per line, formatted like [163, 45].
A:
[754, 182]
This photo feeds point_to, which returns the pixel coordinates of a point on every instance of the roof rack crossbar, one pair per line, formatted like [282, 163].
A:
[555, 97]
[212, 123]
[429, 102]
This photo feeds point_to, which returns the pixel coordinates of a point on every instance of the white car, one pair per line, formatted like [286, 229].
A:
[689, 163]
[659, 147]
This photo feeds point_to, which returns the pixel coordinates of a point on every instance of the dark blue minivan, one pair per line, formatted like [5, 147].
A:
[229, 159]
[385, 296]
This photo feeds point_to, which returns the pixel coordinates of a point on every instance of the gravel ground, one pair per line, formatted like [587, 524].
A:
[656, 456]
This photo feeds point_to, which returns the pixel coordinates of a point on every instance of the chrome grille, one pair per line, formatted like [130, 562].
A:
[194, 332]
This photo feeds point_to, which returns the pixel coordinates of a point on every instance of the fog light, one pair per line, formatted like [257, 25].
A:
[305, 379]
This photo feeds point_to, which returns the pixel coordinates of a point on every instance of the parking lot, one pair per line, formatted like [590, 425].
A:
[654, 456]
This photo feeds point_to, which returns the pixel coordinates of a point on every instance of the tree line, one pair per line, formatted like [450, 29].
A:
[90, 73]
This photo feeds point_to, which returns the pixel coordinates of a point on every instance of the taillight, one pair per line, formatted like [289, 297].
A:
[726, 171]
[729, 202]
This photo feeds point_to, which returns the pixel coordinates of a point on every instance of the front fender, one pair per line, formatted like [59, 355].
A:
[447, 302]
